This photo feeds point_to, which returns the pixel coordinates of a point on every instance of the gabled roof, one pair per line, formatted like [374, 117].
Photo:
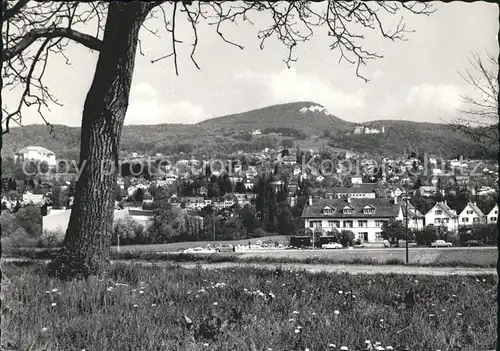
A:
[493, 209]
[383, 208]
[412, 211]
[473, 207]
[445, 208]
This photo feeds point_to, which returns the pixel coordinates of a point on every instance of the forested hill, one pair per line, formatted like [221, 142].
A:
[297, 121]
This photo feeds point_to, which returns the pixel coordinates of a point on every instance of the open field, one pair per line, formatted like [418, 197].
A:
[196, 309]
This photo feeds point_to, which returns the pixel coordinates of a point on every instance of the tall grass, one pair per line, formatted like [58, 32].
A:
[244, 309]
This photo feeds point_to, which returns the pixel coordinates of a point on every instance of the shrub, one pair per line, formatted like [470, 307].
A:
[53, 238]
[20, 238]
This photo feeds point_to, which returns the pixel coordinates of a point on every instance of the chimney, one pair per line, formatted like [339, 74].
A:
[310, 200]
[395, 200]
[348, 199]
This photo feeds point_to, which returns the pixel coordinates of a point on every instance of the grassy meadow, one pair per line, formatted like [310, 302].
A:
[172, 308]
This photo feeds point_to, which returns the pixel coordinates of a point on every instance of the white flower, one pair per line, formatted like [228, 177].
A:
[272, 295]
[215, 303]
[110, 288]
[379, 348]
[44, 329]
[53, 304]
[389, 348]
[291, 320]
[153, 305]
[381, 321]
[340, 292]
[344, 348]
[135, 306]
[306, 349]
[431, 315]
[459, 314]
[54, 290]
[205, 344]
[295, 312]
[332, 346]
[141, 292]
[283, 284]
[47, 292]
[368, 342]
[314, 313]
[336, 312]
[453, 295]
[297, 331]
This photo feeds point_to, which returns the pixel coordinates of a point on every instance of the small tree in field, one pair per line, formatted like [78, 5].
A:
[34, 31]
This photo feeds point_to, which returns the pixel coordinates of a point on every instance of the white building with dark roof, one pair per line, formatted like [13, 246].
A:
[441, 215]
[37, 154]
[492, 217]
[471, 215]
[363, 216]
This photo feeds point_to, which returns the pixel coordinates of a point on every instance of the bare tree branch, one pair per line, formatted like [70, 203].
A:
[49, 33]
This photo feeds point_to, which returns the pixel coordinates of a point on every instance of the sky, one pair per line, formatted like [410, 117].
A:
[415, 80]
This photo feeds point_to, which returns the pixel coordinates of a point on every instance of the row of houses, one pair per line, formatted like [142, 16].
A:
[366, 216]
[199, 202]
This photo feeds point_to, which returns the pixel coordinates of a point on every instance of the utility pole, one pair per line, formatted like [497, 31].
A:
[214, 225]
[407, 214]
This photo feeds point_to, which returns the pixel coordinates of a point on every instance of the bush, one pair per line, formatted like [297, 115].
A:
[426, 236]
[20, 238]
[52, 238]
[129, 231]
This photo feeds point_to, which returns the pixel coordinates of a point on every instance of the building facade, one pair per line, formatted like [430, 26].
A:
[442, 216]
[471, 215]
[363, 216]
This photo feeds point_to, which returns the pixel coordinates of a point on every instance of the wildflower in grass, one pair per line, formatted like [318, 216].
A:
[453, 295]
[295, 312]
[272, 295]
[416, 281]
[110, 288]
[133, 290]
[297, 331]
[432, 315]
[47, 292]
[314, 313]
[336, 312]
[344, 348]
[459, 314]
[306, 349]
[381, 321]
[291, 320]
[389, 348]
[205, 344]
[44, 329]
[215, 303]
[153, 305]
[379, 348]
[53, 304]
[141, 292]
[443, 310]
[135, 306]
[54, 290]
[332, 346]
[189, 292]
[283, 284]
[341, 292]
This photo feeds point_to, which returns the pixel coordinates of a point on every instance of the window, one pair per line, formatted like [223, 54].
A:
[379, 223]
[445, 220]
[378, 236]
[363, 223]
[363, 235]
[368, 210]
[347, 211]
[437, 220]
[348, 224]
[470, 212]
[465, 219]
[314, 224]
[438, 212]
[336, 224]
[331, 223]
[475, 220]
[496, 212]
[493, 219]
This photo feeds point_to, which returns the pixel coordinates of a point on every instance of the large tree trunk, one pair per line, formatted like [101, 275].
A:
[86, 247]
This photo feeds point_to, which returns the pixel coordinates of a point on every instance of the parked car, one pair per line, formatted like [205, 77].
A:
[474, 243]
[199, 250]
[332, 246]
[441, 243]
[225, 248]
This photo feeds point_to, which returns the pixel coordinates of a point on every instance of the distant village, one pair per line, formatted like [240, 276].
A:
[359, 198]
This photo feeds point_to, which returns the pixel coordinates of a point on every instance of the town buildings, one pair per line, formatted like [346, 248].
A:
[37, 154]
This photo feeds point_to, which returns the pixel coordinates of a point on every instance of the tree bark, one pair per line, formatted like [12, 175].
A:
[86, 247]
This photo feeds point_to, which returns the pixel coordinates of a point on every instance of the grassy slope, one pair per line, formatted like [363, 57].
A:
[176, 311]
